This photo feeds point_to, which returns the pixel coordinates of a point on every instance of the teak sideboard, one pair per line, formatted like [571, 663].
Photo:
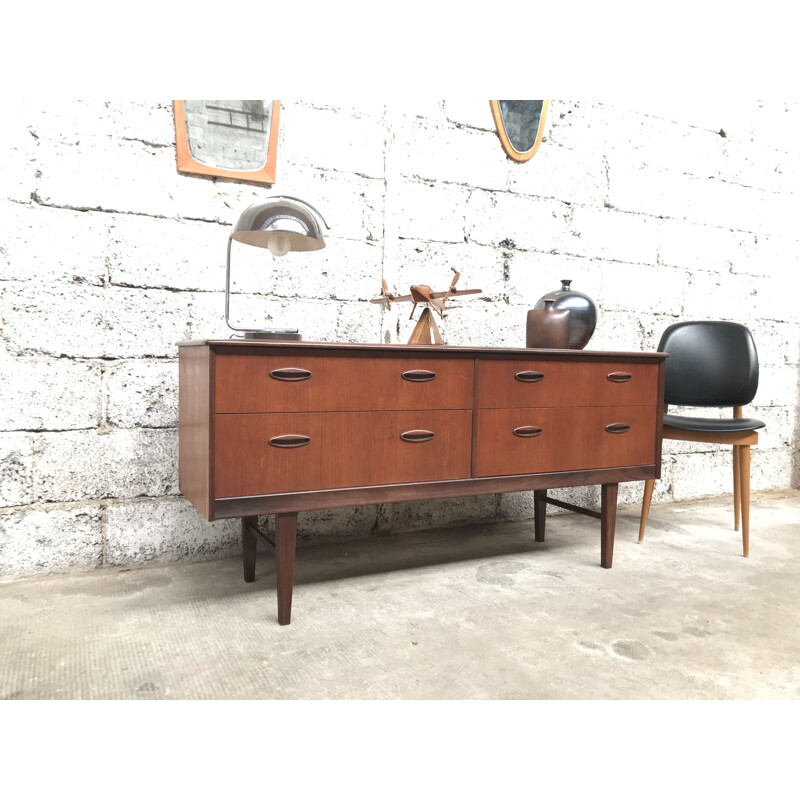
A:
[270, 427]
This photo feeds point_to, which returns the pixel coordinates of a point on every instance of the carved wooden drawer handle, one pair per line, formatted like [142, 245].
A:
[290, 440]
[529, 376]
[618, 427]
[418, 375]
[417, 436]
[527, 431]
[618, 377]
[290, 374]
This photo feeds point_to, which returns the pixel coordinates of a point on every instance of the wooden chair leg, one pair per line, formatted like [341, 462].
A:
[737, 487]
[647, 497]
[744, 476]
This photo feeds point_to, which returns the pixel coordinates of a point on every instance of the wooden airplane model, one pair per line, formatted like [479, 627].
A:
[425, 331]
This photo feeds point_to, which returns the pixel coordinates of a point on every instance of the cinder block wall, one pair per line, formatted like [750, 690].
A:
[109, 257]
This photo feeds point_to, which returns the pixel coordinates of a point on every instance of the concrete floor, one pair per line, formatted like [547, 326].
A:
[465, 613]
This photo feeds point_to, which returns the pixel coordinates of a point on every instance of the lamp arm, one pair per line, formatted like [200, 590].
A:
[305, 203]
[228, 288]
[228, 302]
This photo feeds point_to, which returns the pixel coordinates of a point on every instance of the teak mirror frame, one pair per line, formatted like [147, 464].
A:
[187, 163]
[511, 152]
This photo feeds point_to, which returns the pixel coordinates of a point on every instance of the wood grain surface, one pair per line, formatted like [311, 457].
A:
[431, 490]
[358, 402]
[344, 449]
[570, 382]
[570, 438]
[244, 383]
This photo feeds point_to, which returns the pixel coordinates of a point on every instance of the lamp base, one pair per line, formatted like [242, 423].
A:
[281, 334]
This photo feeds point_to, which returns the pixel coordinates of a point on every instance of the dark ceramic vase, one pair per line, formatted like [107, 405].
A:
[582, 313]
[548, 327]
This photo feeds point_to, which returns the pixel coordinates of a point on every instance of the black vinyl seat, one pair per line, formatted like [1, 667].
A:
[706, 425]
[712, 364]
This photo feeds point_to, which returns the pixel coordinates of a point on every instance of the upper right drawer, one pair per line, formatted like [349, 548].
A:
[521, 383]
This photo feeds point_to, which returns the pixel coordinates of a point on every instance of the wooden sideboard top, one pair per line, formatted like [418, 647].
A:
[411, 348]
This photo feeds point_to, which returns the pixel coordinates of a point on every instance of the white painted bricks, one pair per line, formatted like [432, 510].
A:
[109, 257]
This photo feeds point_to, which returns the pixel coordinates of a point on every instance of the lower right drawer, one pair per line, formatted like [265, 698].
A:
[516, 441]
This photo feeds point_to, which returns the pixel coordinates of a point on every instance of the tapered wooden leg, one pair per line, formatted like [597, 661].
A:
[539, 513]
[608, 519]
[646, 498]
[744, 476]
[249, 540]
[285, 544]
[737, 486]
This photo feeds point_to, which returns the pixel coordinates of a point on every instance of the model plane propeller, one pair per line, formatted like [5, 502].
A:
[425, 331]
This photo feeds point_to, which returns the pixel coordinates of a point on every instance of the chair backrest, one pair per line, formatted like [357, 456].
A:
[710, 364]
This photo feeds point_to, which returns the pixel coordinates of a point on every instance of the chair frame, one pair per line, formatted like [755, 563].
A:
[741, 442]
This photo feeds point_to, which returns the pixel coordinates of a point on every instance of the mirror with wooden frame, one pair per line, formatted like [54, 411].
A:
[228, 138]
[520, 125]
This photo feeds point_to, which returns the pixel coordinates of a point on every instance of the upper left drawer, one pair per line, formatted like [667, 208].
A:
[308, 382]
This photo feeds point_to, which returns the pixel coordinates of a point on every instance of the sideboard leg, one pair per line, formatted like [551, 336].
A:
[285, 542]
[608, 519]
[539, 513]
[249, 540]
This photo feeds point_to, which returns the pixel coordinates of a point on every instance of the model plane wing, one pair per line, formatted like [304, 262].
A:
[393, 299]
[454, 292]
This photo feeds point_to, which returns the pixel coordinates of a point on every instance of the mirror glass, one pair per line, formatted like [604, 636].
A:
[521, 120]
[229, 134]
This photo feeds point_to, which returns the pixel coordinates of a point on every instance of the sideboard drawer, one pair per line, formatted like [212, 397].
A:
[517, 441]
[515, 383]
[302, 382]
[272, 453]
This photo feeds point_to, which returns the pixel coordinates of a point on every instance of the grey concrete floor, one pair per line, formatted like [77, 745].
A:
[462, 613]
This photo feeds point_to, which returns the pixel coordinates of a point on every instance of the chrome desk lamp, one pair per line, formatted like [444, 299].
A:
[280, 224]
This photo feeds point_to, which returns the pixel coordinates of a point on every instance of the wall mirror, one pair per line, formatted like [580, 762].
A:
[229, 138]
[520, 125]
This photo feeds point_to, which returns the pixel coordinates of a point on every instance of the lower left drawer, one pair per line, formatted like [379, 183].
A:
[258, 454]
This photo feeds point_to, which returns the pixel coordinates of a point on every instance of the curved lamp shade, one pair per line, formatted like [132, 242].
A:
[280, 224]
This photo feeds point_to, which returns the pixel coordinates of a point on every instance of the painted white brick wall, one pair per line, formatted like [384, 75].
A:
[109, 257]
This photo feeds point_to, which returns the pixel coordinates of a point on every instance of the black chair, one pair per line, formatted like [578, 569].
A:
[712, 364]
